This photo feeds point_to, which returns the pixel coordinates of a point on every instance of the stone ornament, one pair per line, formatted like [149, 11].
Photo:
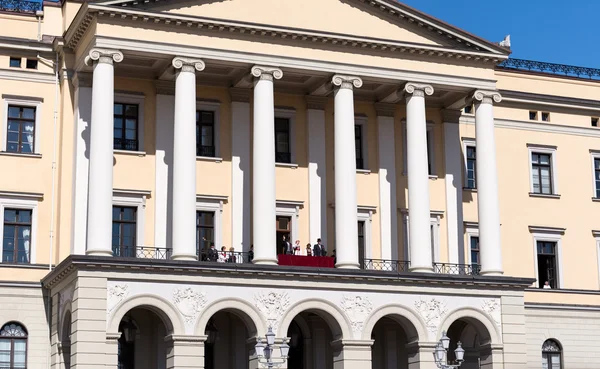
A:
[189, 303]
[432, 311]
[266, 73]
[487, 97]
[65, 296]
[418, 89]
[188, 64]
[115, 294]
[357, 308]
[107, 56]
[348, 82]
[272, 305]
[492, 308]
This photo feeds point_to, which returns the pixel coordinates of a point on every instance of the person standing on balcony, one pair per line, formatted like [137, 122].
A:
[286, 247]
[319, 249]
[222, 255]
[212, 253]
[297, 249]
[231, 258]
[251, 253]
[308, 249]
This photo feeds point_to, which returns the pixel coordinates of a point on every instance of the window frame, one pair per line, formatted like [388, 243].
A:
[133, 99]
[471, 230]
[430, 137]
[15, 58]
[288, 113]
[596, 235]
[132, 253]
[286, 208]
[214, 204]
[215, 108]
[466, 144]
[548, 234]
[365, 214]
[595, 155]
[560, 352]
[136, 199]
[435, 224]
[544, 150]
[21, 201]
[363, 122]
[17, 224]
[12, 339]
[22, 101]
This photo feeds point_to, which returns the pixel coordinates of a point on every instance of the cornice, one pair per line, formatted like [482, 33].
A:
[89, 12]
[510, 97]
[533, 126]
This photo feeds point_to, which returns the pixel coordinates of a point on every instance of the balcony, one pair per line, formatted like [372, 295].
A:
[207, 151]
[283, 157]
[20, 7]
[124, 144]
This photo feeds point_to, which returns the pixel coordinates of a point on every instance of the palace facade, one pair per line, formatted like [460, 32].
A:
[454, 188]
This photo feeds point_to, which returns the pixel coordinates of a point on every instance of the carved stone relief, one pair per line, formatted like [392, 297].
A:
[272, 305]
[492, 308]
[189, 303]
[358, 309]
[432, 311]
[115, 294]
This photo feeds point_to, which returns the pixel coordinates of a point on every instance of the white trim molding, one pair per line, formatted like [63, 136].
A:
[471, 230]
[596, 235]
[548, 234]
[363, 122]
[123, 97]
[543, 149]
[434, 222]
[289, 208]
[215, 107]
[31, 102]
[214, 204]
[290, 114]
[365, 214]
[27, 202]
[594, 154]
[136, 199]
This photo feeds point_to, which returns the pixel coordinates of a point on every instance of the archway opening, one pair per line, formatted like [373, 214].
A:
[65, 341]
[392, 337]
[228, 343]
[142, 342]
[311, 334]
[475, 340]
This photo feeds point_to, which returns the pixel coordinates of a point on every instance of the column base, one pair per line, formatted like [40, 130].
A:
[492, 273]
[99, 252]
[420, 269]
[265, 261]
[347, 266]
[185, 257]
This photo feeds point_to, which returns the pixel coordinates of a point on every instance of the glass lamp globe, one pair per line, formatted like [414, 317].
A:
[270, 337]
[445, 341]
[260, 348]
[439, 353]
[285, 349]
[459, 352]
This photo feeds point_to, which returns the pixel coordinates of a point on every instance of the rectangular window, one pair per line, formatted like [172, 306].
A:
[31, 64]
[545, 116]
[283, 228]
[594, 122]
[361, 242]
[546, 259]
[205, 232]
[533, 115]
[471, 167]
[124, 230]
[541, 167]
[205, 133]
[282, 141]
[597, 176]
[15, 62]
[469, 109]
[16, 243]
[20, 135]
[126, 127]
[474, 240]
[358, 139]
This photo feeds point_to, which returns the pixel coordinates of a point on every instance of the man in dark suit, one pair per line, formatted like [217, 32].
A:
[286, 247]
[319, 249]
[213, 255]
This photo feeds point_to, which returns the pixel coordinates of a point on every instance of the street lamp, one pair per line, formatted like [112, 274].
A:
[265, 352]
[441, 351]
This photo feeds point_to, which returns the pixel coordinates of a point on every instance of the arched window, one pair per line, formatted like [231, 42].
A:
[13, 346]
[551, 355]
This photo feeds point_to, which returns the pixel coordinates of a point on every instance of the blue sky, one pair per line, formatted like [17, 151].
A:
[557, 31]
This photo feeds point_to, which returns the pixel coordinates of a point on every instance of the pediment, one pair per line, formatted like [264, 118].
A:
[371, 19]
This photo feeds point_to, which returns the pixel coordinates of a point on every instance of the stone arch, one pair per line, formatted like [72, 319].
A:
[412, 324]
[333, 316]
[485, 326]
[161, 307]
[243, 310]
[67, 309]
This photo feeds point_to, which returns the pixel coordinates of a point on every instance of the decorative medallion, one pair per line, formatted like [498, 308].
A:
[432, 311]
[358, 309]
[189, 303]
[115, 294]
[272, 305]
[492, 308]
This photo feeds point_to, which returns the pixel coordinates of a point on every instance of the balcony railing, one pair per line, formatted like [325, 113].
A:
[225, 257]
[208, 151]
[124, 144]
[142, 252]
[550, 68]
[398, 266]
[359, 163]
[19, 6]
[458, 269]
[283, 157]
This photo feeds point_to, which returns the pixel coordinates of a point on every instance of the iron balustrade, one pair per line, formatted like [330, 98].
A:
[283, 157]
[458, 269]
[398, 266]
[208, 151]
[359, 163]
[20, 6]
[225, 257]
[124, 144]
[142, 252]
[550, 68]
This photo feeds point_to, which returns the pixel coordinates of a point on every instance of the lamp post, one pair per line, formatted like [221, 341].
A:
[264, 352]
[440, 354]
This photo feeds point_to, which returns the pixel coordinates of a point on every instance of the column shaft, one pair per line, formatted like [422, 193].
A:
[487, 184]
[240, 169]
[317, 189]
[419, 231]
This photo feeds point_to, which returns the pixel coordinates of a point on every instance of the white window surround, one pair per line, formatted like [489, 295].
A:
[543, 149]
[134, 98]
[21, 201]
[596, 235]
[289, 113]
[430, 149]
[548, 234]
[471, 230]
[365, 214]
[287, 208]
[214, 204]
[435, 218]
[467, 142]
[363, 122]
[34, 102]
[137, 199]
[215, 107]
[595, 154]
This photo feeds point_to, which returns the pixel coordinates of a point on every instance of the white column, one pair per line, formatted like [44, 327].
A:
[99, 222]
[263, 165]
[240, 168]
[346, 212]
[317, 190]
[82, 118]
[487, 183]
[184, 159]
[454, 186]
[388, 207]
[418, 178]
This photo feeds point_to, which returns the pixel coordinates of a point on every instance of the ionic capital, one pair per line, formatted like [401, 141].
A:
[348, 82]
[107, 56]
[487, 97]
[188, 64]
[266, 73]
[418, 89]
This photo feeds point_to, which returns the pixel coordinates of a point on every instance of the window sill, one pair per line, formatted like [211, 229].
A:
[7, 153]
[432, 176]
[469, 189]
[364, 171]
[287, 165]
[596, 199]
[210, 158]
[552, 196]
[129, 152]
